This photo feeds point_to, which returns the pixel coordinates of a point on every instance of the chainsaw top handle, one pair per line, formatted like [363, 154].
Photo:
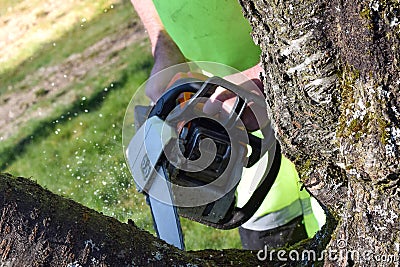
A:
[167, 102]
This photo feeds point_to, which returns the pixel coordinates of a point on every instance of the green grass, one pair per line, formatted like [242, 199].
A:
[77, 151]
[78, 154]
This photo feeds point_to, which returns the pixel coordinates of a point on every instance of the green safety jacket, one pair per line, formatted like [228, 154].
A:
[216, 31]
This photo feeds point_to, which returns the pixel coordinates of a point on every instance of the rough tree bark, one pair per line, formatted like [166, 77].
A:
[332, 84]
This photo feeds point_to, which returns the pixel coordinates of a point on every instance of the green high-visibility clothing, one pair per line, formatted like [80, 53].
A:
[210, 30]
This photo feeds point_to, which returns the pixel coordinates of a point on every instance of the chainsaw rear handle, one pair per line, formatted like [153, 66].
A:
[167, 102]
[243, 214]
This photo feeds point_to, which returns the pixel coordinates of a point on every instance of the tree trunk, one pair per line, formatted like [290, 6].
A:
[332, 84]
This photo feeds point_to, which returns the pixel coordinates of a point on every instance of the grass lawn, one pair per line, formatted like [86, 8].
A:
[76, 150]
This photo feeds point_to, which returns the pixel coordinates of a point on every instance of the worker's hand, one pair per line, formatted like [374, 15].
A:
[254, 116]
[168, 60]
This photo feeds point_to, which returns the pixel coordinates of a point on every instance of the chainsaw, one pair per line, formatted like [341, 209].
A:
[189, 163]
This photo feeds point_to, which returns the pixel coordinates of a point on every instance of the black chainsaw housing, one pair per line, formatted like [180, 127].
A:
[221, 213]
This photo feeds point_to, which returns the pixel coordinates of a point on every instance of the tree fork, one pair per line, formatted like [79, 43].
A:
[332, 82]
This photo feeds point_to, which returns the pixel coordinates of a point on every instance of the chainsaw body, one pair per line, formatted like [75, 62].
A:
[205, 157]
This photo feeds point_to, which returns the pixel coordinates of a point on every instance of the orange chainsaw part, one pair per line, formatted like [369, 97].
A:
[182, 99]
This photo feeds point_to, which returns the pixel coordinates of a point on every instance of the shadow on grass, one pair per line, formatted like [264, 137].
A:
[44, 128]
